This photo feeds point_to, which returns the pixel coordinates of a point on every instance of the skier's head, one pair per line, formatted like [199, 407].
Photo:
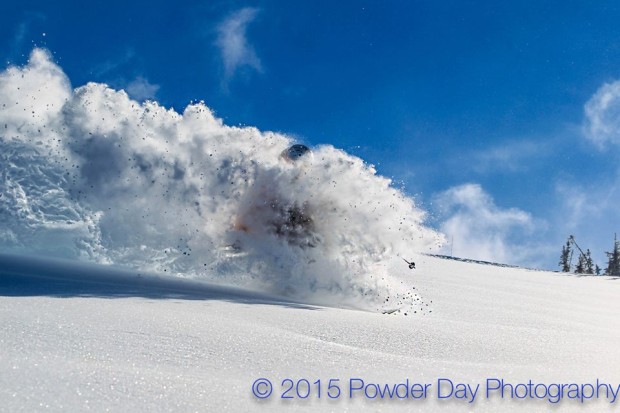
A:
[296, 152]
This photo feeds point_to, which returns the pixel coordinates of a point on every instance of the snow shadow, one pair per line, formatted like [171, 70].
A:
[22, 276]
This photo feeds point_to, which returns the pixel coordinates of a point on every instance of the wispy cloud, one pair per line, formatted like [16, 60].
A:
[111, 65]
[477, 228]
[577, 205]
[20, 35]
[511, 156]
[235, 50]
[602, 115]
[141, 89]
[22, 32]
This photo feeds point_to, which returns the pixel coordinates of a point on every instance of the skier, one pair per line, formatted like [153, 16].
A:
[292, 222]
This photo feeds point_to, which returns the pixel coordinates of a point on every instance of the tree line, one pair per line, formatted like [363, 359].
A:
[585, 265]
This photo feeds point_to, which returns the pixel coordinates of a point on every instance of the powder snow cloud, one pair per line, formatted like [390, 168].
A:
[90, 173]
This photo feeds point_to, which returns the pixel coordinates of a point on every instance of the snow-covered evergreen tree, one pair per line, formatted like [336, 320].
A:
[565, 257]
[613, 263]
[589, 263]
[581, 265]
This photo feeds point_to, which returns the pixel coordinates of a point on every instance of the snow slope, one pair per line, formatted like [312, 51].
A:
[126, 343]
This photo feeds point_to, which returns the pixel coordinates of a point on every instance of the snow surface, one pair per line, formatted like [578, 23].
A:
[126, 343]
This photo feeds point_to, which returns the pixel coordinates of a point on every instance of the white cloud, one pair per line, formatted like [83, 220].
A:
[233, 43]
[479, 228]
[602, 111]
[141, 89]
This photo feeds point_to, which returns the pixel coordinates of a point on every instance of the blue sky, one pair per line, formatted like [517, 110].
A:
[502, 119]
